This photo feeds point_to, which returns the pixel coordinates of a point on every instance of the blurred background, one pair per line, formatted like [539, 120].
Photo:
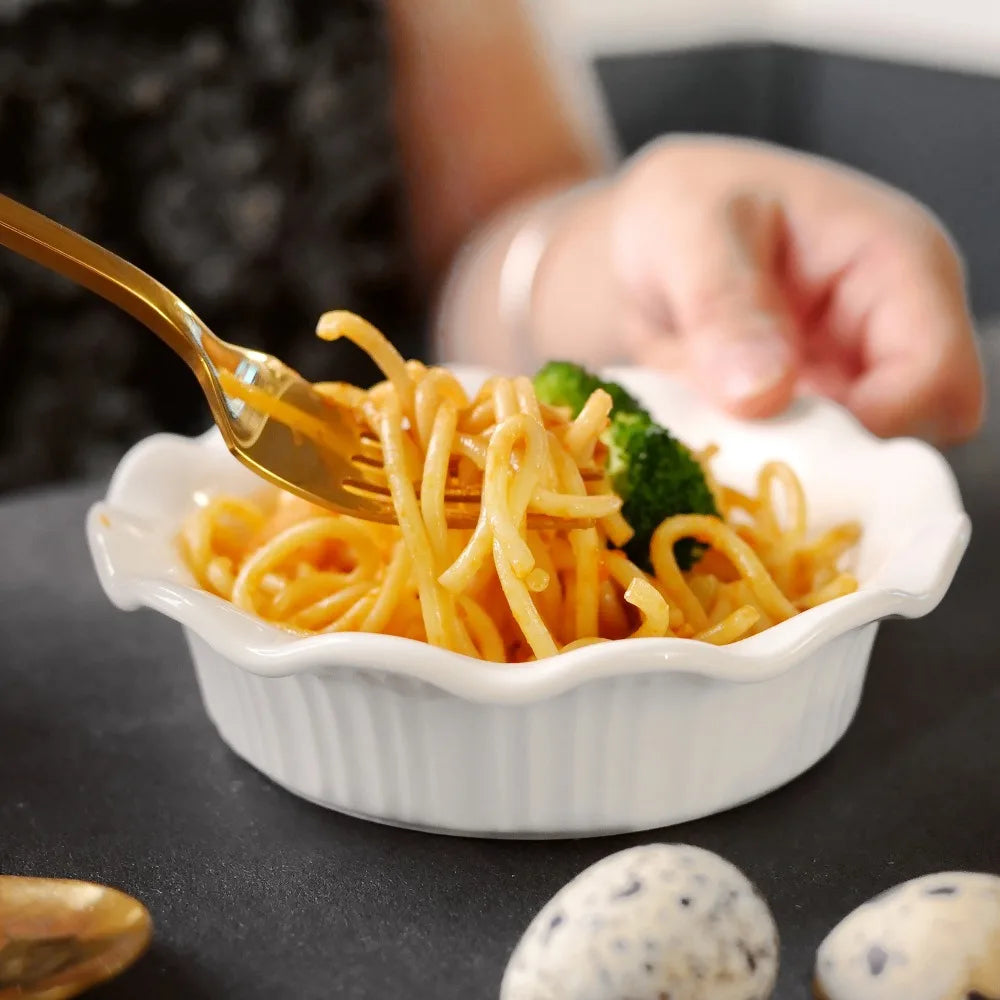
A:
[230, 148]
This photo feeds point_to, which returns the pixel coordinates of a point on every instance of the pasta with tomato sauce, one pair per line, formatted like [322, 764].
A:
[503, 590]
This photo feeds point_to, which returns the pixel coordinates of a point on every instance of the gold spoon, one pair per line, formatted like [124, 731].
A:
[59, 937]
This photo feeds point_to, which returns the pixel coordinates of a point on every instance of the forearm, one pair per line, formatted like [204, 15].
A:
[535, 283]
[489, 129]
[481, 118]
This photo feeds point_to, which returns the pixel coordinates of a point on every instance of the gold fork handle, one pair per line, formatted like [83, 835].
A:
[38, 238]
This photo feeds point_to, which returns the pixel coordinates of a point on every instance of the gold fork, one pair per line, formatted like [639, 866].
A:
[337, 474]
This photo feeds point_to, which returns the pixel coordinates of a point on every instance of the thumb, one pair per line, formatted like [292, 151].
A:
[744, 361]
[718, 279]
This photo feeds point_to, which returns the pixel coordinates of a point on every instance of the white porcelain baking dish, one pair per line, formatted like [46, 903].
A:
[623, 736]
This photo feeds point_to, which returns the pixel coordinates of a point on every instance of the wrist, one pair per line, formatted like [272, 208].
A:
[487, 311]
[575, 299]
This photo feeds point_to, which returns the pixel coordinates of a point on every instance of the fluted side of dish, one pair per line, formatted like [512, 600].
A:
[632, 752]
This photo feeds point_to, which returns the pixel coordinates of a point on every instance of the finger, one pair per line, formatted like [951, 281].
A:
[901, 398]
[922, 374]
[716, 273]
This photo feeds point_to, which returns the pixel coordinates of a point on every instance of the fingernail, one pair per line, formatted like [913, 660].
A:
[747, 369]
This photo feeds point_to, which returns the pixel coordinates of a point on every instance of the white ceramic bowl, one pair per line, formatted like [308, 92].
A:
[621, 736]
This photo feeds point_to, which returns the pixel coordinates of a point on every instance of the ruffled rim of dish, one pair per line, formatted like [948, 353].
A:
[910, 584]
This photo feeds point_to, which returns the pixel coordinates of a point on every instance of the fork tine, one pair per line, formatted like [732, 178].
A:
[375, 464]
[459, 495]
[463, 510]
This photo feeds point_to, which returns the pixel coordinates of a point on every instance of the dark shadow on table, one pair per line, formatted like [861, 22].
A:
[161, 974]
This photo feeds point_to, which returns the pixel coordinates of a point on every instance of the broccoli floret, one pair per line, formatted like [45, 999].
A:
[562, 383]
[653, 473]
[656, 477]
[623, 401]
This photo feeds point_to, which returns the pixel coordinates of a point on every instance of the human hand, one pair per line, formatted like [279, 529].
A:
[761, 273]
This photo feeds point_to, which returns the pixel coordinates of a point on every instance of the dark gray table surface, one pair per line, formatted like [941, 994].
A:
[109, 770]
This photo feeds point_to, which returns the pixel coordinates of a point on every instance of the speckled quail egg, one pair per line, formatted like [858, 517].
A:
[935, 938]
[663, 920]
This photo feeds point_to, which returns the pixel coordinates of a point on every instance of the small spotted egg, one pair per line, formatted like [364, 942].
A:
[935, 938]
[663, 920]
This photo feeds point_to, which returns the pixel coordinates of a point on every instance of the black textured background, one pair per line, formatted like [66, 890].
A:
[109, 770]
[240, 151]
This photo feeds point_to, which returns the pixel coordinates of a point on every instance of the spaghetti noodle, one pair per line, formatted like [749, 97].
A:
[501, 591]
